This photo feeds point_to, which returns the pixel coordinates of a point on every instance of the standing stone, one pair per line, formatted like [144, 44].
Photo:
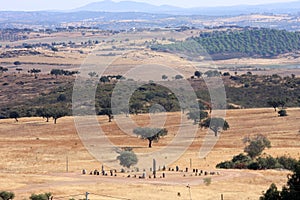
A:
[154, 167]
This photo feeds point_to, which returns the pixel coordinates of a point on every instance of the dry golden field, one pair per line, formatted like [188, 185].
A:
[34, 153]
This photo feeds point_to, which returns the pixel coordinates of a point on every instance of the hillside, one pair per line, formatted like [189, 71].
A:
[259, 43]
[23, 96]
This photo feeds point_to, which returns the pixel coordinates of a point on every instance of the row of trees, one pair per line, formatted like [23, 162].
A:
[45, 112]
[58, 72]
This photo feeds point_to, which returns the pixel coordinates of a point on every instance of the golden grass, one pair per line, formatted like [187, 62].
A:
[33, 155]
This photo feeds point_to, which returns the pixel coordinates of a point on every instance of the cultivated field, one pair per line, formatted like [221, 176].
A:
[34, 154]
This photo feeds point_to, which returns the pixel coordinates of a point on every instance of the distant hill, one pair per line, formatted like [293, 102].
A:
[131, 6]
[127, 6]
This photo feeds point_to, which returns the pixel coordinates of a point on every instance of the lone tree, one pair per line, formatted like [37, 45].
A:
[164, 77]
[198, 74]
[215, 124]
[127, 159]
[276, 103]
[3, 69]
[282, 113]
[197, 116]
[178, 77]
[4, 195]
[150, 134]
[19, 70]
[15, 115]
[256, 145]
[16, 63]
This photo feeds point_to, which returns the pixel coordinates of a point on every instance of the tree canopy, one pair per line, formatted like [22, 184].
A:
[150, 134]
[127, 159]
[215, 124]
[256, 145]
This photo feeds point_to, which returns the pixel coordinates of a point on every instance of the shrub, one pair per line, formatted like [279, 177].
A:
[45, 196]
[207, 181]
[225, 165]
[253, 166]
[282, 113]
[241, 158]
[4, 195]
[287, 163]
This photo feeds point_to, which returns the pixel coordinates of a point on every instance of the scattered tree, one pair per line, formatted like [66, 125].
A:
[3, 69]
[34, 71]
[136, 107]
[215, 124]
[56, 72]
[127, 159]
[15, 115]
[93, 74]
[197, 116]
[107, 112]
[164, 77]
[44, 113]
[105, 104]
[104, 79]
[178, 77]
[274, 104]
[4, 195]
[57, 113]
[282, 113]
[54, 49]
[150, 134]
[17, 63]
[256, 145]
[198, 74]
[45, 196]
[19, 70]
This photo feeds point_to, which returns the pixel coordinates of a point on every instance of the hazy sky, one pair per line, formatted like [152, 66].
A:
[70, 4]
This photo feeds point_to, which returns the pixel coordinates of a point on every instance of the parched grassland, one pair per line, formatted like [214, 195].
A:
[33, 155]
